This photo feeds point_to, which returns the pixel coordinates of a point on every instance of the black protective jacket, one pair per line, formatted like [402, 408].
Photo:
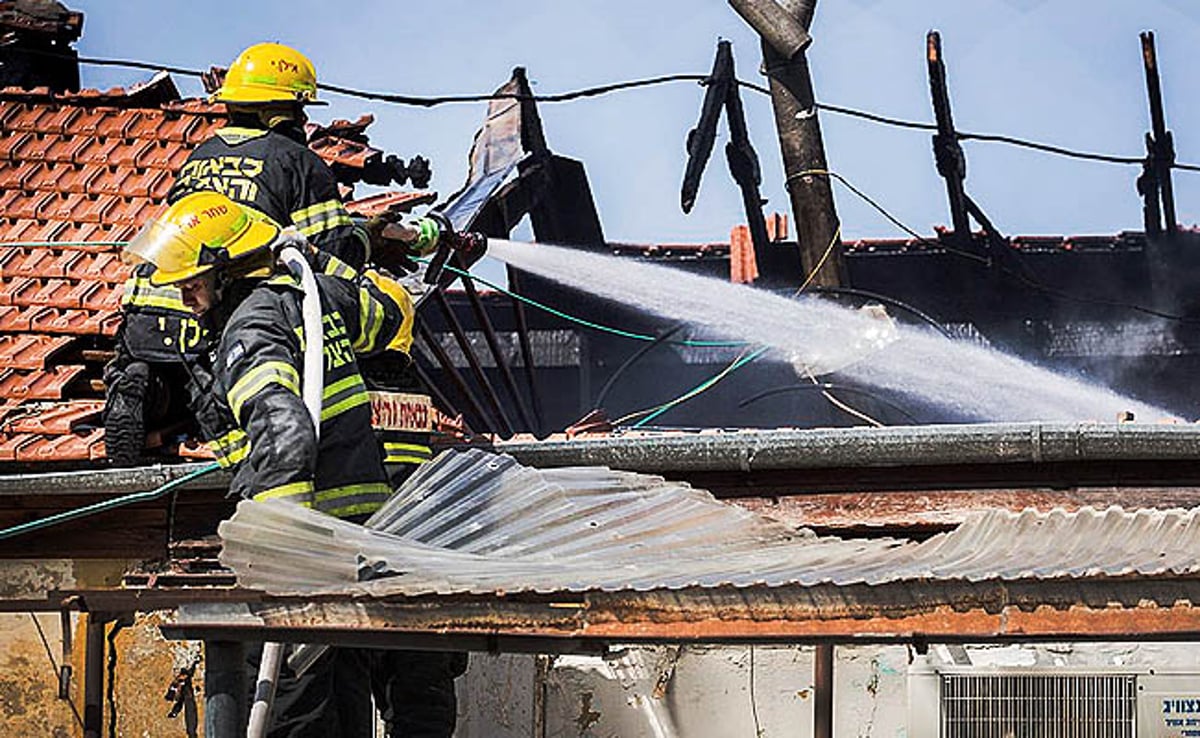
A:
[276, 177]
[258, 369]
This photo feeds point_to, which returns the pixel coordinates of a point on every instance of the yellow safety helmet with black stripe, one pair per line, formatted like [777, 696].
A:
[199, 232]
[269, 73]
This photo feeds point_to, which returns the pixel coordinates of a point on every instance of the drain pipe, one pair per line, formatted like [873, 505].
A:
[823, 691]
[311, 390]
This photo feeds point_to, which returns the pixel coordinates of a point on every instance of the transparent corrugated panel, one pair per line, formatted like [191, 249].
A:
[475, 521]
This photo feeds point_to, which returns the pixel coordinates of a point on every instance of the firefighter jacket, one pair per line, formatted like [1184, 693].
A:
[257, 368]
[273, 177]
[278, 179]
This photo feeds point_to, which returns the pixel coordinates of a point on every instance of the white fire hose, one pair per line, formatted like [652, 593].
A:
[312, 389]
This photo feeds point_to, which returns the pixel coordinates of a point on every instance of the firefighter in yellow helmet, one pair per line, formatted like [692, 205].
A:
[262, 160]
[224, 263]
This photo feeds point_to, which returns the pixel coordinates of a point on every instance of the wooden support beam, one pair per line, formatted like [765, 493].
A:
[803, 151]
[778, 27]
[1160, 144]
[951, 163]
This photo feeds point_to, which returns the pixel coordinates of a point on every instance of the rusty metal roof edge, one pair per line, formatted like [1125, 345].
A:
[108, 481]
[895, 446]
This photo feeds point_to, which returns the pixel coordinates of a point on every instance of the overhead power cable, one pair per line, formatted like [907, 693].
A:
[1027, 280]
[595, 91]
[105, 505]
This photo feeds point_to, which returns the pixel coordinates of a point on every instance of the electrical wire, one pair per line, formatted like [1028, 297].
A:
[743, 359]
[633, 359]
[432, 101]
[1023, 278]
[829, 387]
[837, 236]
[583, 322]
[884, 299]
[54, 664]
[105, 505]
[652, 413]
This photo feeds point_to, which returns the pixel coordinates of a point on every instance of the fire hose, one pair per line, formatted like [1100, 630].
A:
[311, 390]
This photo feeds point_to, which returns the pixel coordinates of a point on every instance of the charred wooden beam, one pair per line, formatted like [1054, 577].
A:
[481, 419]
[1160, 144]
[804, 161]
[493, 342]
[522, 321]
[700, 139]
[784, 31]
[743, 165]
[464, 345]
[951, 162]
[723, 94]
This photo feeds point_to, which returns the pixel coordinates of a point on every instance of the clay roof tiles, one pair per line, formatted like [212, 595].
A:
[79, 173]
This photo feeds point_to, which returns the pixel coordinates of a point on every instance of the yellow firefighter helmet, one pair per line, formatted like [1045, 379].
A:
[269, 73]
[202, 231]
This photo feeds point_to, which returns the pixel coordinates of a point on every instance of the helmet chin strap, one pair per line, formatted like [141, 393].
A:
[285, 118]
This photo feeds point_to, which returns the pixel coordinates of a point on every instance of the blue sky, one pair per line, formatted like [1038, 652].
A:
[1066, 72]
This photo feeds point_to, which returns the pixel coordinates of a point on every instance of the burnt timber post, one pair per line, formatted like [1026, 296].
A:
[951, 163]
[1160, 145]
[803, 153]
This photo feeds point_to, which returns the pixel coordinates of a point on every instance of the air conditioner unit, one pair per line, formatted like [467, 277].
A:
[991, 702]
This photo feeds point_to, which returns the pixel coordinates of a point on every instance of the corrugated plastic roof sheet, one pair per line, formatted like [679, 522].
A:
[77, 169]
[474, 522]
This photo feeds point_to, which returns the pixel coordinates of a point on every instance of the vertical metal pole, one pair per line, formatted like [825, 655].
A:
[489, 335]
[481, 421]
[93, 677]
[803, 151]
[1162, 147]
[950, 161]
[224, 689]
[460, 336]
[514, 284]
[823, 691]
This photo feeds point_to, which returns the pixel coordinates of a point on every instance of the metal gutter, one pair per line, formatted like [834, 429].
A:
[953, 446]
[108, 481]
[864, 448]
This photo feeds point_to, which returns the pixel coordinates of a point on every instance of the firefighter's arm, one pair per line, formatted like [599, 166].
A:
[258, 362]
[319, 214]
[378, 311]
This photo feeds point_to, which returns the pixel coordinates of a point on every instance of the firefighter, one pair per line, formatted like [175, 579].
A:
[222, 260]
[259, 160]
[262, 160]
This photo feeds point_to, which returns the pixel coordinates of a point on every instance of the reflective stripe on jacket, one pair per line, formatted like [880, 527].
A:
[258, 366]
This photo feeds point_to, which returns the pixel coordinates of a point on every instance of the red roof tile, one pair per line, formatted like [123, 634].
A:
[389, 202]
[11, 445]
[26, 351]
[345, 152]
[70, 447]
[20, 384]
[79, 171]
[58, 419]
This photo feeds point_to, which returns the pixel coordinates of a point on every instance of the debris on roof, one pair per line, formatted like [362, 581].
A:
[481, 523]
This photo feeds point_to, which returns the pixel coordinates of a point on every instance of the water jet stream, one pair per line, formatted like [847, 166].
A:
[967, 380]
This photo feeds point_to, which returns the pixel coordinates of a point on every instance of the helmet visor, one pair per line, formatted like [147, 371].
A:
[163, 244]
